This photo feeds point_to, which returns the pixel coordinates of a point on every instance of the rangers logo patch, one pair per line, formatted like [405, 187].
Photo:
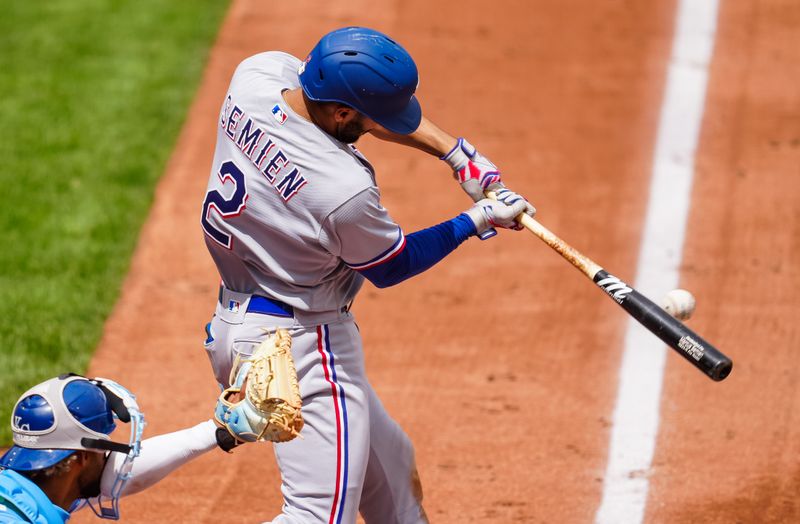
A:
[279, 114]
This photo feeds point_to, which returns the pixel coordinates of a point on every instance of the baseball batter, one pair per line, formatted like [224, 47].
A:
[293, 219]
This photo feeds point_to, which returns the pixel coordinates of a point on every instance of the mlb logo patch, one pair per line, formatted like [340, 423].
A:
[279, 114]
[233, 306]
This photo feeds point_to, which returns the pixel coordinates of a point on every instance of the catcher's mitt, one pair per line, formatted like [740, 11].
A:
[270, 409]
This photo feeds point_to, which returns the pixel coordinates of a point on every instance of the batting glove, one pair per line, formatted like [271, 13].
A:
[509, 198]
[487, 214]
[473, 171]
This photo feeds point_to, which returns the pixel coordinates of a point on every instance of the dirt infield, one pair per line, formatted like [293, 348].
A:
[501, 363]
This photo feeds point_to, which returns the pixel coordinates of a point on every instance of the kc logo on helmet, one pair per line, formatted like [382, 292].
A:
[23, 427]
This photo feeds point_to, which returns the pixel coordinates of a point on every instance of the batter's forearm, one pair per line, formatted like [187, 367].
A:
[423, 249]
[428, 137]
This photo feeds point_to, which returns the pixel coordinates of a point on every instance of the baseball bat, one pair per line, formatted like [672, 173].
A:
[688, 344]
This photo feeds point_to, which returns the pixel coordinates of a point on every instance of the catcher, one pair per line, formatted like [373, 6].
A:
[63, 457]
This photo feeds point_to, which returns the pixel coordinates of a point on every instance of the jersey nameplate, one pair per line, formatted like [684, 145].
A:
[260, 149]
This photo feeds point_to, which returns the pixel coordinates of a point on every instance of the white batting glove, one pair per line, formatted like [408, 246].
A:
[509, 197]
[487, 214]
[473, 171]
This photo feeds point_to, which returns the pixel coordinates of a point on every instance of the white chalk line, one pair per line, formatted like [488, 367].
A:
[636, 414]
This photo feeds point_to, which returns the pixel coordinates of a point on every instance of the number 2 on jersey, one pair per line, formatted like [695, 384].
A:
[226, 207]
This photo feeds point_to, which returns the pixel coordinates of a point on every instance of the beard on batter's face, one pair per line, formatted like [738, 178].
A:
[349, 132]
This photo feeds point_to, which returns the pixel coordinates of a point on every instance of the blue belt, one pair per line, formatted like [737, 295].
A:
[265, 306]
[268, 306]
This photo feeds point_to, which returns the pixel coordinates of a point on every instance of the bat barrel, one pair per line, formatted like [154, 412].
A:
[691, 346]
[699, 352]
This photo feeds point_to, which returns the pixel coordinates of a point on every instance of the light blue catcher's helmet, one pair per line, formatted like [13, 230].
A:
[53, 419]
[368, 71]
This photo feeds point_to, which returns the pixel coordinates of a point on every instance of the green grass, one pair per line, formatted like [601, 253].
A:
[92, 96]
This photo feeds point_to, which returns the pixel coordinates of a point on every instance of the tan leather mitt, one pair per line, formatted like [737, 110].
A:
[270, 409]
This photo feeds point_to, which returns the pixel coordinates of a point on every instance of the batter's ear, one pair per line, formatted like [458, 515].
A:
[344, 113]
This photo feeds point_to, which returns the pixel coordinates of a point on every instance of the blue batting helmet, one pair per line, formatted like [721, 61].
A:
[55, 418]
[368, 71]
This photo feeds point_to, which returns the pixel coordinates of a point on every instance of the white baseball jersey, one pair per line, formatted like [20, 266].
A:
[290, 211]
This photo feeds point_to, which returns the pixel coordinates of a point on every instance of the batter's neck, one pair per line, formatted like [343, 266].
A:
[296, 100]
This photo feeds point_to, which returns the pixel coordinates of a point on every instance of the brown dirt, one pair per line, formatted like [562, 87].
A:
[731, 451]
[501, 362]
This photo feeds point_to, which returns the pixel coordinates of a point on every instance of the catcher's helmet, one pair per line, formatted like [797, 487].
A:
[50, 419]
[53, 419]
[368, 71]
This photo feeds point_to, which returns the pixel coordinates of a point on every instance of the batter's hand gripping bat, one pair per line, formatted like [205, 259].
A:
[699, 352]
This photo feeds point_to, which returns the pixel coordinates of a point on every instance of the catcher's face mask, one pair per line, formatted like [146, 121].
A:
[61, 415]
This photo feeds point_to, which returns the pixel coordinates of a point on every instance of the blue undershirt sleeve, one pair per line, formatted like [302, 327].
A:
[423, 249]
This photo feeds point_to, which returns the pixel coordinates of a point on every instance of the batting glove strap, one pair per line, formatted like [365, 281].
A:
[488, 213]
[481, 218]
[460, 155]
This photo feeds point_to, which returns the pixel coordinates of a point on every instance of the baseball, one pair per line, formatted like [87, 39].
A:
[679, 303]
